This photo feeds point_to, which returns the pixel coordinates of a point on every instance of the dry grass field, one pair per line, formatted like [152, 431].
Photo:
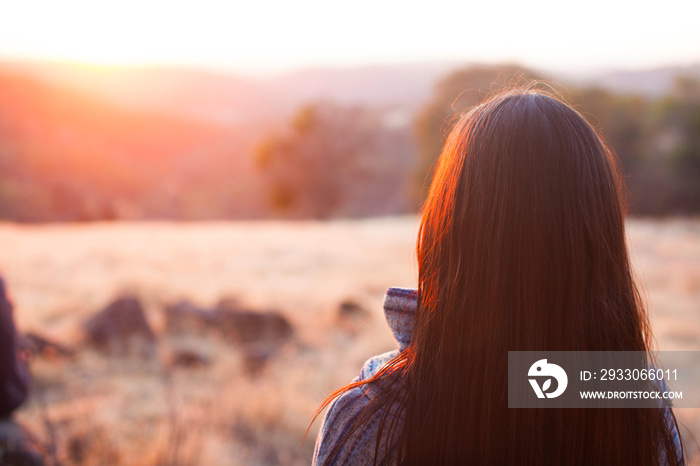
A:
[93, 408]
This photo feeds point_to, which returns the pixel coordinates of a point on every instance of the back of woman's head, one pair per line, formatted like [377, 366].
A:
[522, 238]
[521, 247]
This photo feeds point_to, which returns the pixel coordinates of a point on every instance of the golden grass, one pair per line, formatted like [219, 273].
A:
[135, 411]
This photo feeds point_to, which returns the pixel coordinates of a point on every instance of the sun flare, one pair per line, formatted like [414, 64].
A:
[278, 34]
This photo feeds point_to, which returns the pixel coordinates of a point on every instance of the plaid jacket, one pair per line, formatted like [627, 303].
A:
[399, 309]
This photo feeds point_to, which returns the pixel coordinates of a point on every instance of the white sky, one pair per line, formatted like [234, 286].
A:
[264, 35]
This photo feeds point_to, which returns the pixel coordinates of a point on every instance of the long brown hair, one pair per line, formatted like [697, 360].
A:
[521, 247]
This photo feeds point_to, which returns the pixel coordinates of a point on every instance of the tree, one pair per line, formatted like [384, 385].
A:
[336, 161]
[453, 96]
[622, 120]
[678, 123]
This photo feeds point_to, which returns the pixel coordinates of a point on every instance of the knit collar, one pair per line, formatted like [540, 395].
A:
[400, 311]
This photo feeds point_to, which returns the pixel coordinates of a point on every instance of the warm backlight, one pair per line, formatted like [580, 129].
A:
[282, 34]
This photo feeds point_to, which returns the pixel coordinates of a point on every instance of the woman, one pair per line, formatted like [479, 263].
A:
[521, 248]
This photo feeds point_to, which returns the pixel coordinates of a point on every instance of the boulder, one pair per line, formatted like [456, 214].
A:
[186, 317]
[121, 328]
[258, 334]
[248, 327]
[39, 345]
[188, 358]
[237, 324]
[256, 357]
[351, 316]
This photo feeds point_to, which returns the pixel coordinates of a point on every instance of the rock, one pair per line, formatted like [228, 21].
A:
[351, 316]
[188, 358]
[230, 304]
[230, 320]
[259, 334]
[39, 345]
[256, 357]
[247, 327]
[350, 309]
[186, 317]
[121, 328]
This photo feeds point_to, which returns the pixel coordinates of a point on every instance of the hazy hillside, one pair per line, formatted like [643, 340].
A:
[89, 143]
[653, 82]
[200, 94]
[228, 98]
[86, 158]
[383, 86]
[231, 98]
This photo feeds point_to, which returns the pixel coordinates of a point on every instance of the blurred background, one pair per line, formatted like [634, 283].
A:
[202, 204]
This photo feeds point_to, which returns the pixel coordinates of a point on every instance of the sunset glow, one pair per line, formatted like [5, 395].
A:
[274, 35]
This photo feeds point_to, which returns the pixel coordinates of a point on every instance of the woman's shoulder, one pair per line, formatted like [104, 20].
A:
[337, 438]
[374, 364]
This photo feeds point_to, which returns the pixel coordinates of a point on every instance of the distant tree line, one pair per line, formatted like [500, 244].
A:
[335, 161]
[69, 156]
[657, 140]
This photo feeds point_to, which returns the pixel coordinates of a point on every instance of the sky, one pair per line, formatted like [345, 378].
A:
[266, 36]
